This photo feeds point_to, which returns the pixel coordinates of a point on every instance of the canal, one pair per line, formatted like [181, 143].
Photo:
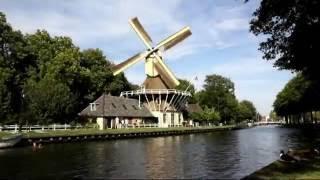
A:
[227, 154]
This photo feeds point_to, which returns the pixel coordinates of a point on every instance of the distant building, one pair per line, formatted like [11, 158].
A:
[116, 112]
[189, 109]
[193, 108]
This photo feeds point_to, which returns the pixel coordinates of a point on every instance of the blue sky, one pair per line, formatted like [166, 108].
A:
[220, 44]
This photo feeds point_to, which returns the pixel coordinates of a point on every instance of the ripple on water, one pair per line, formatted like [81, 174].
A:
[229, 154]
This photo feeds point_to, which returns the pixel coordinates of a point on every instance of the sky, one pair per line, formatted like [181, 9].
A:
[220, 43]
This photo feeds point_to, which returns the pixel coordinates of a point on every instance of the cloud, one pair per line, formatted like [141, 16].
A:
[231, 24]
[245, 67]
[95, 22]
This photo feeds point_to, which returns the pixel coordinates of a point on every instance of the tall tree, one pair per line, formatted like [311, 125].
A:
[186, 85]
[246, 111]
[49, 101]
[14, 64]
[299, 96]
[292, 30]
[49, 76]
[218, 92]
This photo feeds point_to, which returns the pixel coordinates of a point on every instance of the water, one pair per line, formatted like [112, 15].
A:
[228, 154]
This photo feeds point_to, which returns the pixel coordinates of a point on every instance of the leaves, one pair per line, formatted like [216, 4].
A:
[292, 30]
[57, 79]
[218, 93]
[246, 111]
[186, 85]
[299, 95]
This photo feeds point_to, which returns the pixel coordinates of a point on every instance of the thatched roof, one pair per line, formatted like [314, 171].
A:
[155, 83]
[113, 106]
[194, 108]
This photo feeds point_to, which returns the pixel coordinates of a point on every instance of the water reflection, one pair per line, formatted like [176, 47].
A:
[229, 154]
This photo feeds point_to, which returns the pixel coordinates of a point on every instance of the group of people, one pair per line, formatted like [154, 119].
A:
[299, 155]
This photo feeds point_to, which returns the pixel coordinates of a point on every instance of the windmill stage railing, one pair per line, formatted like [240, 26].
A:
[160, 99]
[155, 91]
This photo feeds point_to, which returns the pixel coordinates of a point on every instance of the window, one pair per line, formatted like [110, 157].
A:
[114, 106]
[93, 106]
[164, 118]
[179, 119]
[124, 106]
[134, 107]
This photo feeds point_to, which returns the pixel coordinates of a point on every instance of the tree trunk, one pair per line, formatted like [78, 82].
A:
[311, 116]
[304, 119]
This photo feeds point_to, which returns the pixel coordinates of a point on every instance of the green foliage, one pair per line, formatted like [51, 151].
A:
[49, 101]
[55, 77]
[274, 117]
[292, 29]
[246, 111]
[14, 64]
[207, 115]
[187, 85]
[218, 93]
[298, 96]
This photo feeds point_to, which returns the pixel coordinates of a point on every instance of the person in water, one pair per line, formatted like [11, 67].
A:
[286, 157]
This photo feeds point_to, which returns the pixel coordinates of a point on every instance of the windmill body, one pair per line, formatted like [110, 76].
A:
[158, 91]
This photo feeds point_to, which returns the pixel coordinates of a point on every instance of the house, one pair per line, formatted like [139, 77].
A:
[192, 108]
[116, 112]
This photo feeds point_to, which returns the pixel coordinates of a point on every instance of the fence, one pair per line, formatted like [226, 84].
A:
[138, 125]
[55, 127]
[39, 127]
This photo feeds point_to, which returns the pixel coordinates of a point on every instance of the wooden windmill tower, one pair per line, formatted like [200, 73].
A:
[159, 76]
[159, 93]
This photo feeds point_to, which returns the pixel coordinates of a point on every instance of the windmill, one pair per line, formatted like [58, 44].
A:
[159, 76]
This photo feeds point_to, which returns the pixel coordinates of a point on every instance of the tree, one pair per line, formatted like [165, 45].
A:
[274, 117]
[292, 29]
[218, 93]
[299, 96]
[208, 115]
[14, 64]
[49, 101]
[187, 85]
[246, 111]
[38, 68]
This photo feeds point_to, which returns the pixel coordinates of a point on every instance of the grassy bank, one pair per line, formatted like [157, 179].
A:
[3, 134]
[282, 170]
[77, 132]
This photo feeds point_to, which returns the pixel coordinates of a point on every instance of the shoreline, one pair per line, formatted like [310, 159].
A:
[84, 135]
[285, 170]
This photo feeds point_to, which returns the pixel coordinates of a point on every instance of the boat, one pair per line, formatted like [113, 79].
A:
[10, 141]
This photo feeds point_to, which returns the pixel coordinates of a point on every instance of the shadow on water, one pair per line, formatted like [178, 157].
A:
[227, 154]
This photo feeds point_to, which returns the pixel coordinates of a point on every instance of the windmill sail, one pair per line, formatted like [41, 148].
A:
[136, 25]
[154, 66]
[174, 39]
[127, 63]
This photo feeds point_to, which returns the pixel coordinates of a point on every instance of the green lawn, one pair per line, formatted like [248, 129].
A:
[77, 132]
[282, 170]
[2, 134]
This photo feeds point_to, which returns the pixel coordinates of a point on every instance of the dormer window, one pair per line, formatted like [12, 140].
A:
[93, 106]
